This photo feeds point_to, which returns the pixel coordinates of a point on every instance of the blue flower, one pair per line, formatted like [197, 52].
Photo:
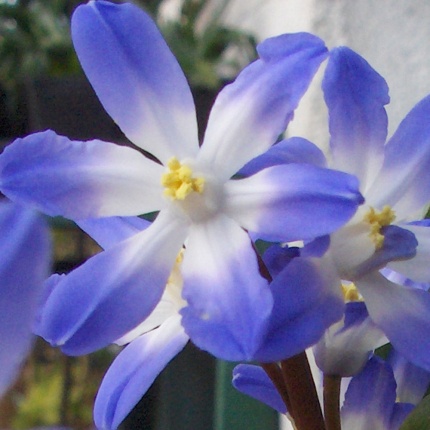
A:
[304, 306]
[142, 87]
[373, 398]
[370, 400]
[25, 252]
[393, 179]
[346, 346]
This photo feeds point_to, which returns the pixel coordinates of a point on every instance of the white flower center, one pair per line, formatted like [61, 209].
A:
[359, 239]
[194, 191]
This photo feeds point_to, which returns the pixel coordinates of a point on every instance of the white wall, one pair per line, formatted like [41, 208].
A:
[393, 35]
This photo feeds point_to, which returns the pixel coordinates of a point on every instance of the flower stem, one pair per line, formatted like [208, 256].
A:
[306, 409]
[274, 372]
[331, 401]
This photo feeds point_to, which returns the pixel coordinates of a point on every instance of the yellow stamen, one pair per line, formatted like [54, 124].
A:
[377, 221]
[350, 293]
[179, 182]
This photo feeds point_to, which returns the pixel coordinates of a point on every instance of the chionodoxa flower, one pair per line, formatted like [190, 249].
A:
[141, 86]
[381, 242]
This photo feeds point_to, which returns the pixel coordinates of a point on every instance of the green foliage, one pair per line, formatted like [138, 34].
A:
[57, 390]
[34, 40]
[419, 419]
[201, 43]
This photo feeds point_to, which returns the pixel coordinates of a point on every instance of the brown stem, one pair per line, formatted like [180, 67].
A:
[331, 401]
[306, 409]
[298, 387]
[274, 372]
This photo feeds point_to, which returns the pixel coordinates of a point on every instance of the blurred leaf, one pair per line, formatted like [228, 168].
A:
[419, 419]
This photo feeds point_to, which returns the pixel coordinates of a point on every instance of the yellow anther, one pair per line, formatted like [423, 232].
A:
[350, 293]
[179, 181]
[377, 220]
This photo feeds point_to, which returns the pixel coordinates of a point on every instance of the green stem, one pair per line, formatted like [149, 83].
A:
[305, 406]
[66, 389]
[331, 401]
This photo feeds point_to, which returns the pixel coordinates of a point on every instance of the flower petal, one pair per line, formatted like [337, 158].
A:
[113, 291]
[418, 267]
[370, 398]
[412, 381]
[399, 243]
[80, 179]
[134, 370]
[291, 202]
[253, 381]
[164, 310]
[355, 95]
[136, 77]
[250, 114]
[346, 346]
[403, 314]
[400, 412]
[306, 302]
[316, 247]
[228, 300]
[24, 247]
[293, 150]
[406, 166]
[111, 230]
[277, 257]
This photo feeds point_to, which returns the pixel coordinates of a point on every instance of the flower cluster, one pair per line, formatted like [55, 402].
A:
[356, 282]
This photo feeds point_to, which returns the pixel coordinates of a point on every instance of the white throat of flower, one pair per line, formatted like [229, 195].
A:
[193, 189]
[174, 284]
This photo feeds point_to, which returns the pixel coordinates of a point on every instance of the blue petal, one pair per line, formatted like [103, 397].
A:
[253, 381]
[316, 247]
[136, 77]
[293, 150]
[107, 232]
[134, 370]
[406, 166]
[113, 291]
[228, 300]
[399, 244]
[80, 179]
[355, 314]
[400, 279]
[346, 346]
[412, 381]
[355, 95]
[417, 268]
[24, 264]
[277, 257]
[369, 400]
[400, 412]
[403, 314]
[306, 302]
[250, 114]
[292, 202]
